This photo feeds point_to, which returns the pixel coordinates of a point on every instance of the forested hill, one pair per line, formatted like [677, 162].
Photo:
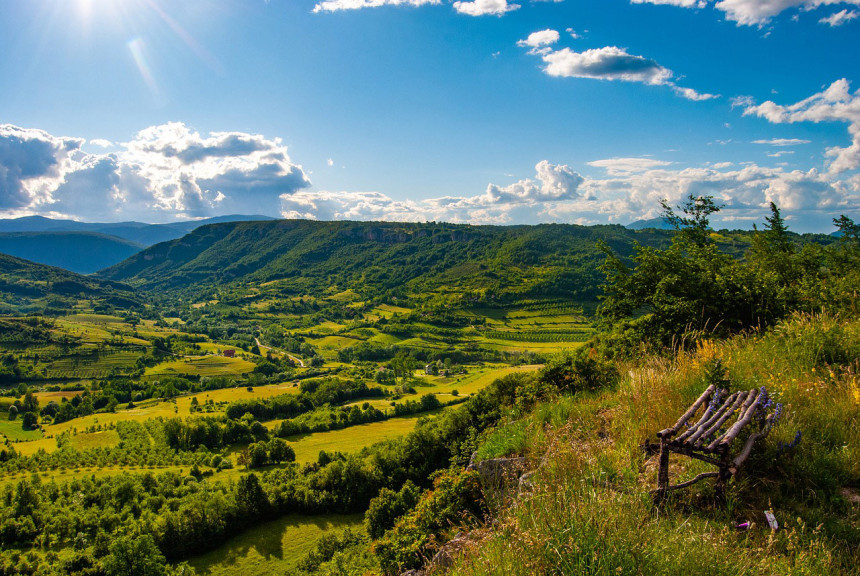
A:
[81, 252]
[400, 259]
[30, 287]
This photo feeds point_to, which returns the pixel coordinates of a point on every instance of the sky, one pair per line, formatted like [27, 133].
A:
[474, 111]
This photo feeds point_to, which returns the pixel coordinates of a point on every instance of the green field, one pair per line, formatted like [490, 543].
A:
[351, 439]
[273, 547]
[202, 366]
[12, 430]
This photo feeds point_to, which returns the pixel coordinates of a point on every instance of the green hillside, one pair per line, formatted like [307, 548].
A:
[81, 252]
[398, 258]
[30, 287]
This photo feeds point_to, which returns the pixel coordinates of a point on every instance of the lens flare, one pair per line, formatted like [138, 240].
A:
[138, 52]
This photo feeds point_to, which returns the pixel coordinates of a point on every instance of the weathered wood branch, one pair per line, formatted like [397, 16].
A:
[717, 444]
[707, 419]
[707, 414]
[714, 425]
[748, 413]
[668, 432]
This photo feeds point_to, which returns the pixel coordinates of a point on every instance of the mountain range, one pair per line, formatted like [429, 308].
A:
[85, 247]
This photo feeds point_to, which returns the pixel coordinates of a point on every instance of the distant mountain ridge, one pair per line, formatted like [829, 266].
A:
[81, 252]
[85, 247]
[137, 232]
[655, 223]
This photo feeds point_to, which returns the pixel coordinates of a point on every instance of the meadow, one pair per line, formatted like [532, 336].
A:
[589, 511]
[273, 547]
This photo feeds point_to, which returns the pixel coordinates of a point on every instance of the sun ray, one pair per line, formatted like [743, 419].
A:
[137, 48]
[207, 57]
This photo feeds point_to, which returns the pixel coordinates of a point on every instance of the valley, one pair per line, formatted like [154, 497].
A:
[247, 397]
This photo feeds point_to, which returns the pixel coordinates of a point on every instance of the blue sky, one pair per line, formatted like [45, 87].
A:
[484, 111]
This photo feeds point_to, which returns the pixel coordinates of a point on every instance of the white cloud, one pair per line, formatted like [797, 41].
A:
[607, 63]
[330, 162]
[165, 171]
[32, 164]
[632, 190]
[758, 12]
[540, 38]
[616, 166]
[101, 143]
[836, 103]
[839, 18]
[336, 5]
[552, 184]
[754, 12]
[782, 142]
[691, 94]
[344, 205]
[681, 3]
[485, 7]
[780, 153]
[170, 170]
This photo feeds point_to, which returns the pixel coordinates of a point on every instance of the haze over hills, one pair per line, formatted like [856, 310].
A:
[656, 223]
[81, 252]
[137, 232]
[85, 247]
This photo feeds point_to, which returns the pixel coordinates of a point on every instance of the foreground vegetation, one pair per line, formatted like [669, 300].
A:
[245, 423]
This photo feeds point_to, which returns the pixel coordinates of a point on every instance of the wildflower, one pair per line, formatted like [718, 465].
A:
[782, 447]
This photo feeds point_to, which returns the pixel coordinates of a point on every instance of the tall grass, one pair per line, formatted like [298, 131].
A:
[590, 511]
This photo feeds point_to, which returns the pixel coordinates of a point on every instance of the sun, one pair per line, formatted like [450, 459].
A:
[114, 14]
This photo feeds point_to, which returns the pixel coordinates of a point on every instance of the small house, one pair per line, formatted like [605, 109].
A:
[229, 353]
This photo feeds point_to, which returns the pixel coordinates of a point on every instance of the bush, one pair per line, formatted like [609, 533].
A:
[585, 369]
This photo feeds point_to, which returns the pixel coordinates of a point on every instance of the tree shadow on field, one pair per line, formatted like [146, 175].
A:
[269, 547]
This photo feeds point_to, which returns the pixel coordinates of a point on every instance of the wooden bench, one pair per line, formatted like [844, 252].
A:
[709, 438]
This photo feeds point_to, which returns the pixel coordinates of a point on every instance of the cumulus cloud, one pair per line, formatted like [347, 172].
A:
[32, 164]
[540, 38]
[745, 193]
[756, 12]
[336, 5]
[839, 18]
[485, 7]
[165, 171]
[782, 142]
[630, 189]
[607, 63]
[170, 170]
[834, 104]
[499, 204]
[552, 183]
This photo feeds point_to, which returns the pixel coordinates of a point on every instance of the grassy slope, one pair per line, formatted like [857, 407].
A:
[273, 547]
[590, 512]
[547, 259]
[26, 286]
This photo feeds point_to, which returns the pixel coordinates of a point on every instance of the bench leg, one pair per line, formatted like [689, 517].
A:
[663, 471]
[723, 478]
